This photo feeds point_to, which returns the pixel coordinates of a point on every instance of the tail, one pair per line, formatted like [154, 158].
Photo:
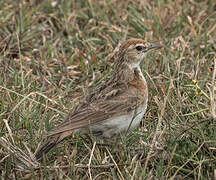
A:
[52, 142]
[46, 147]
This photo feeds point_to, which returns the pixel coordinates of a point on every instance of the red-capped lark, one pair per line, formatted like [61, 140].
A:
[116, 105]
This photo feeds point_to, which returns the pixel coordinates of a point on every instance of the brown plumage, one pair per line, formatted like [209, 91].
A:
[111, 107]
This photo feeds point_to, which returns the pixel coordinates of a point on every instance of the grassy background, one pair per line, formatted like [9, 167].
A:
[52, 51]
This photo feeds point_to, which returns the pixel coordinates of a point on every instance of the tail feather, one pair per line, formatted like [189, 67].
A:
[53, 141]
[46, 148]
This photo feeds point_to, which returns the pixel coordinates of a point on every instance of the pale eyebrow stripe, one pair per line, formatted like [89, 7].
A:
[140, 45]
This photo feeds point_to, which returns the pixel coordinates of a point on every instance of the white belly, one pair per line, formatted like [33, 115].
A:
[116, 125]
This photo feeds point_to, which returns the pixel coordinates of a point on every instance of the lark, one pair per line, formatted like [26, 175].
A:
[116, 105]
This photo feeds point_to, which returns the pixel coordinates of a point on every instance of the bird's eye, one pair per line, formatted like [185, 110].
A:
[139, 48]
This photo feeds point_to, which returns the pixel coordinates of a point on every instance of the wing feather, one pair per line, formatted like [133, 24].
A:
[96, 112]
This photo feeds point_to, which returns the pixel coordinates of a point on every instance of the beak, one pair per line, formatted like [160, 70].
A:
[155, 46]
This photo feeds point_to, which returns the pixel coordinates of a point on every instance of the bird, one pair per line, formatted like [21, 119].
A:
[114, 106]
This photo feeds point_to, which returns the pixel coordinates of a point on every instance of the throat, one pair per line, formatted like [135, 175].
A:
[133, 66]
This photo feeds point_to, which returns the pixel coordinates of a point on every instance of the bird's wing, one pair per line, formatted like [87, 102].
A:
[116, 103]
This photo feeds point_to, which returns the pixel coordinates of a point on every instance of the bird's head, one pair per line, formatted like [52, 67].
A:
[133, 51]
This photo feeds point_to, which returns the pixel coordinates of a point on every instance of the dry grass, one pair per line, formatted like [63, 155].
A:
[51, 53]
